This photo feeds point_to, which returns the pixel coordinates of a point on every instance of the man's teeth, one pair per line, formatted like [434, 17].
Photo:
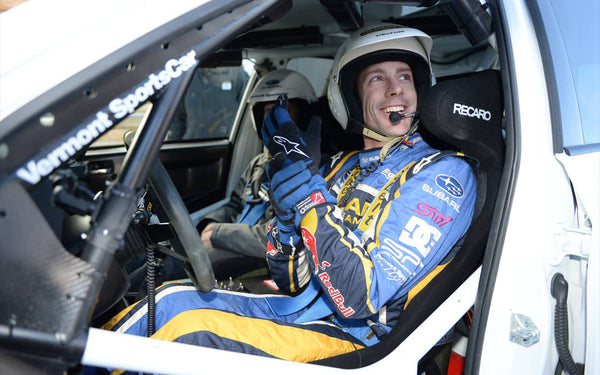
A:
[398, 108]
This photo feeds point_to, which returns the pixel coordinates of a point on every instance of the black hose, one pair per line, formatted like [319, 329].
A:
[559, 290]
[150, 287]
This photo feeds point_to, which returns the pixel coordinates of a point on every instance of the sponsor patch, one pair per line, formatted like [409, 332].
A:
[366, 160]
[309, 202]
[336, 296]
[288, 145]
[449, 184]
[311, 244]
[335, 158]
[271, 250]
[435, 215]
[391, 267]
[419, 235]
[442, 196]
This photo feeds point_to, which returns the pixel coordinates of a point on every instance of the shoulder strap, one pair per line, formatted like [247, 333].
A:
[431, 159]
[340, 166]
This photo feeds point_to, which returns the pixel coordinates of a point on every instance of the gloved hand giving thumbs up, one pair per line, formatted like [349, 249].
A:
[281, 136]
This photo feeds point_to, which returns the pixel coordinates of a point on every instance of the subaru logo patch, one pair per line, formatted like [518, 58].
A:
[450, 185]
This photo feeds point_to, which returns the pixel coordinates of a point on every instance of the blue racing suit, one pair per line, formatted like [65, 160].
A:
[390, 231]
[394, 224]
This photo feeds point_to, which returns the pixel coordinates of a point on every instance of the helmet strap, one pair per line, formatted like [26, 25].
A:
[376, 136]
[391, 141]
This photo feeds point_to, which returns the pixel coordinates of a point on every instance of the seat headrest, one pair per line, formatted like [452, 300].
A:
[466, 111]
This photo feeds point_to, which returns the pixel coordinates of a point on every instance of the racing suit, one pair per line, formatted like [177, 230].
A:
[389, 232]
[366, 257]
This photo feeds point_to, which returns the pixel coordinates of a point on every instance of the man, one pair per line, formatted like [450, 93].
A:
[359, 238]
[240, 226]
[366, 224]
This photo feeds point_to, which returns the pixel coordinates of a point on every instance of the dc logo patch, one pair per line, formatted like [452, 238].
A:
[450, 185]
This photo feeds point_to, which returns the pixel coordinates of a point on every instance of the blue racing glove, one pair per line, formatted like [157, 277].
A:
[283, 239]
[288, 261]
[281, 136]
[295, 190]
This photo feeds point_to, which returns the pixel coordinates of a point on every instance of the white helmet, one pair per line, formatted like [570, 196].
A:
[271, 85]
[370, 45]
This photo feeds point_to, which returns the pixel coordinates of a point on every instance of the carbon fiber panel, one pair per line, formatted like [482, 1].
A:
[44, 285]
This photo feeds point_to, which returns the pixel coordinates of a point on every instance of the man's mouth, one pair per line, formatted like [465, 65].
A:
[395, 108]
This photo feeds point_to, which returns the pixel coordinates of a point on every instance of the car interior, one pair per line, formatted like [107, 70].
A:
[200, 164]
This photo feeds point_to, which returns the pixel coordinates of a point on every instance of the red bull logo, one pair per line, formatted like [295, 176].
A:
[311, 244]
[336, 296]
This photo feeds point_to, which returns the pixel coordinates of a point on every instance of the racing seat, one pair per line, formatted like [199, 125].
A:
[465, 113]
[333, 137]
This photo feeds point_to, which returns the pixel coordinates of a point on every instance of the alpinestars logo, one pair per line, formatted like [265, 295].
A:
[288, 145]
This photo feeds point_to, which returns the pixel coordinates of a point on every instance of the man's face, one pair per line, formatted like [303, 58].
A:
[384, 88]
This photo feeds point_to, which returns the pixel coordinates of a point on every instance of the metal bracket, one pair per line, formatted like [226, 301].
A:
[569, 242]
[523, 330]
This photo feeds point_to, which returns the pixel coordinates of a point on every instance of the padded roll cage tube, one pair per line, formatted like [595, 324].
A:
[76, 102]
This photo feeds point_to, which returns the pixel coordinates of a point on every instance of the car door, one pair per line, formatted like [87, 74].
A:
[545, 268]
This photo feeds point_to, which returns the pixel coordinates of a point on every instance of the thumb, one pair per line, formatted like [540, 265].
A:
[281, 115]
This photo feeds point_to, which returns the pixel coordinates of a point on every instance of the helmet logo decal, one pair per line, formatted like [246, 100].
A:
[380, 28]
[288, 145]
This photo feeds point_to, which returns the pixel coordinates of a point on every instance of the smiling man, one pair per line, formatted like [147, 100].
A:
[375, 221]
[353, 237]
[387, 88]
